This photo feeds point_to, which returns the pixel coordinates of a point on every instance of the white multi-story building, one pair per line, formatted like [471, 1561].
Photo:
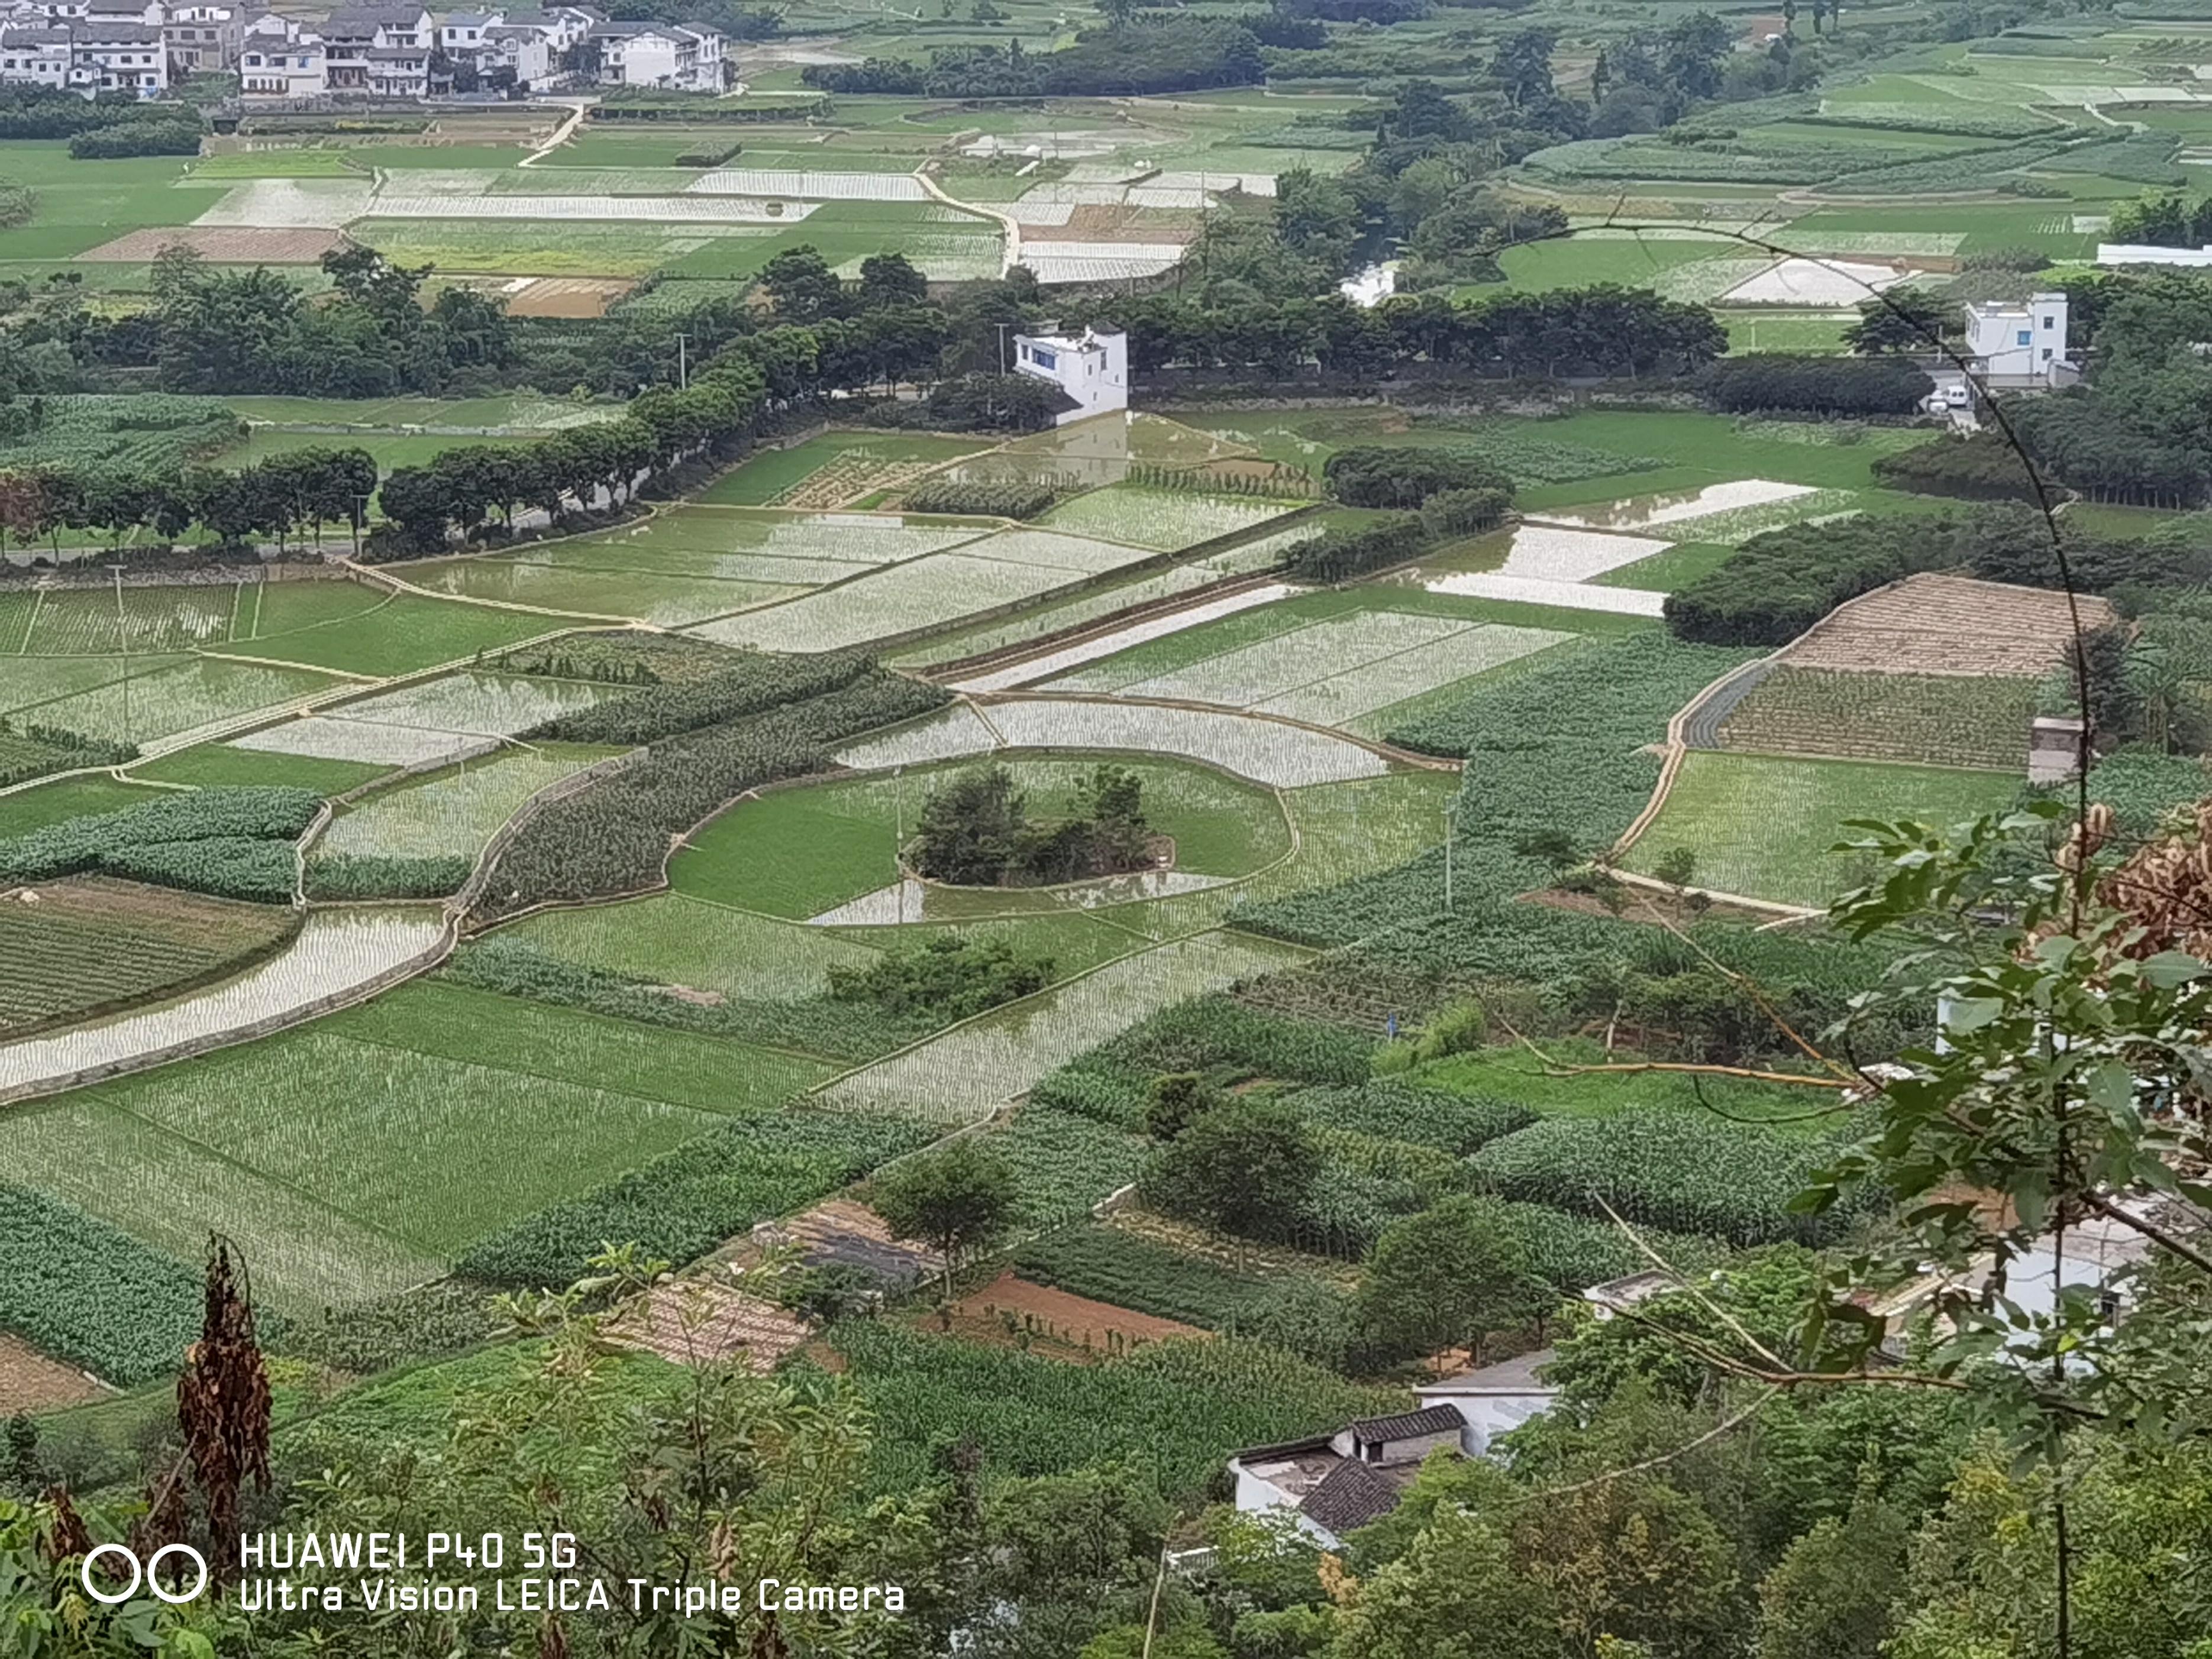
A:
[36, 55]
[379, 51]
[461, 33]
[672, 56]
[2020, 342]
[277, 68]
[525, 53]
[108, 56]
[1092, 367]
[203, 36]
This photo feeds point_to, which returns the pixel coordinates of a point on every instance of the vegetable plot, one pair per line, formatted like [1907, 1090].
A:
[336, 951]
[453, 813]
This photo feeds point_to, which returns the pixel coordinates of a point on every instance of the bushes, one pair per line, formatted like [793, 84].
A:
[236, 843]
[1982, 466]
[1779, 584]
[1825, 385]
[163, 138]
[17, 203]
[998, 498]
[1394, 476]
[708, 152]
[753, 681]
[1465, 512]
[1346, 552]
[615, 835]
[1668, 1168]
[368, 876]
[686, 1202]
[952, 977]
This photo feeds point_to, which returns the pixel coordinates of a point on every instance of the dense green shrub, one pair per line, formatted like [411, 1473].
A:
[708, 152]
[998, 498]
[1983, 466]
[368, 876]
[686, 1202]
[87, 1292]
[615, 835]
[1404, 476]
[1670, 1168]
[1465, 512]
[233, 842]
[1344, 551]
[753, 681]
[163, 138]
[1825, 385]
[1780, 583]
[951, 977]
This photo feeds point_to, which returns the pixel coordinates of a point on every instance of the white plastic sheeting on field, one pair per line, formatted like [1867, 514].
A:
[809, 186]
[653, 209]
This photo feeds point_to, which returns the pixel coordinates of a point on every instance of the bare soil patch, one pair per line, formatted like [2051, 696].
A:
[1934, 625]
[1097, 222]
[228, 245]
[1010, 1312]
[568, 296]
[31, 1381]
[691, 1322]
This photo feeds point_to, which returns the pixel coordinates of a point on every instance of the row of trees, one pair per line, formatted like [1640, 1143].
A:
[300, 492]
[1604, 330]
[1127, 57]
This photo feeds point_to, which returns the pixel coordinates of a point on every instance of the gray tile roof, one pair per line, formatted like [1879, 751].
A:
[1409, 1426]
[1350, 1496]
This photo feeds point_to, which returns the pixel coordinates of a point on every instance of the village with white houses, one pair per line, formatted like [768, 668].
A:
[359, 52]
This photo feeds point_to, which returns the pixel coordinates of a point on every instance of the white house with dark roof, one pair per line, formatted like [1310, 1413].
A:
[671, 56]
[273, 67]
[1334, 1485]
[117, 57]
[525, 53]
[379, 51]
[35, 55]
[206, 36]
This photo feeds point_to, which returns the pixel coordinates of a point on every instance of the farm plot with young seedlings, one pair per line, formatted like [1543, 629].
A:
[1265, 751]
[1723, 808]
[451, 814]
[1680, 510]
[140, 707]
[334, 952]
[74, 622]
[1331, 671]
[1046, 666]
[770, 476]
[937, 589]
[572, 586]
[456, 714]
[977, 1067]
[1939, 720]
[1165, 518]
[702, 949]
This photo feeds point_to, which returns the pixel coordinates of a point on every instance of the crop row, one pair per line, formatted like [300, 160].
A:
[86, 1292]
[233, 842]
[1668, 1168]
[1171, 1411]
[745, 684]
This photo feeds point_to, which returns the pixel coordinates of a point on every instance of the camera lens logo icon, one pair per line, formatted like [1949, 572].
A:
[142, 1573]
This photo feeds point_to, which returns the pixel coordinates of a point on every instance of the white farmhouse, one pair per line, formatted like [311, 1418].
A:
[273, 67]
[524, 52]
[1092, 368]
[37, 57]
[379, 51]
[204, 37]
[672, 56]
[108, 56]
[2020, 342]
[1334, 1485]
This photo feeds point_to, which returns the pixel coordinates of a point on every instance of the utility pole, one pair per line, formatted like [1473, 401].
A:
[123, 634]
[682, 364]
[898, 844]
[360, 517]
[1002, 329]
[1451, 833]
